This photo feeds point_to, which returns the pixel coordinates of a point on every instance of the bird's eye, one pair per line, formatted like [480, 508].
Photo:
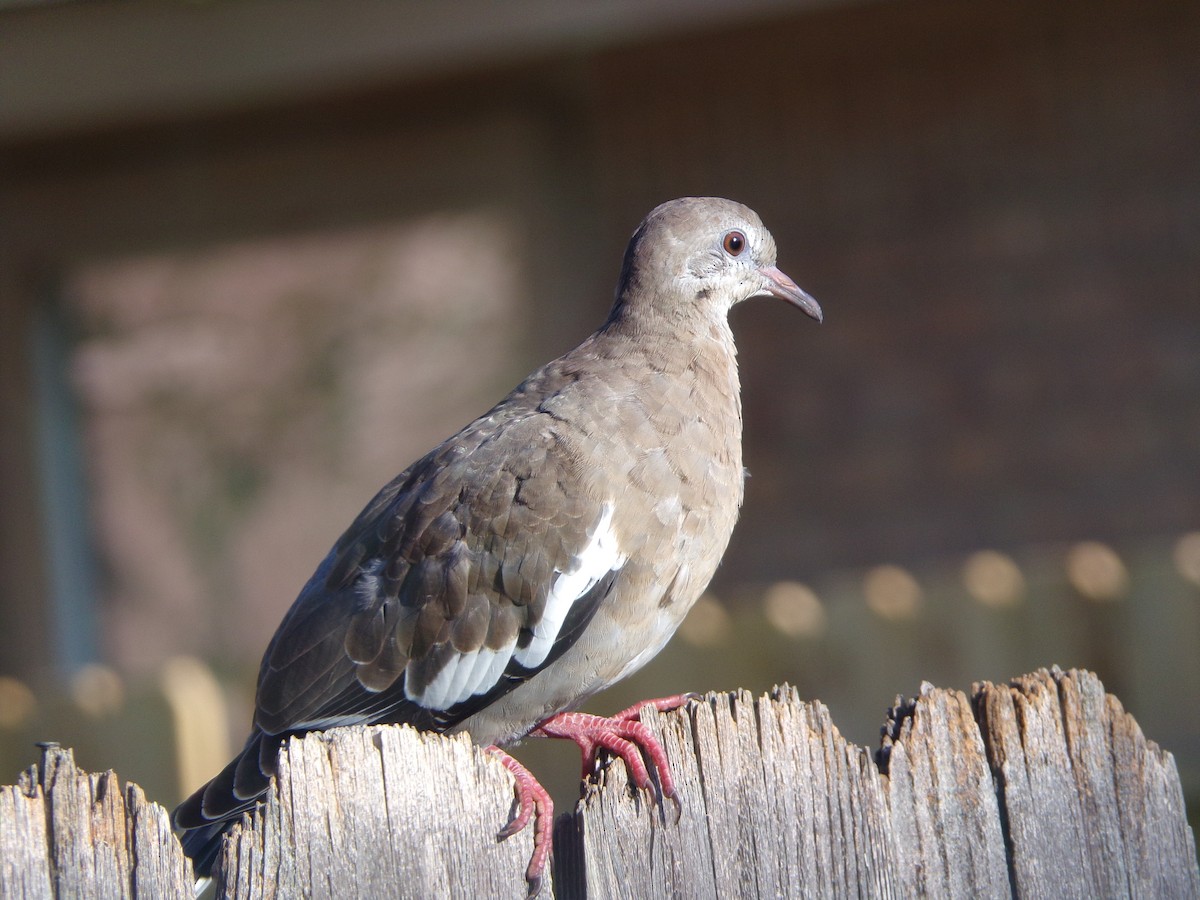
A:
[734, 243]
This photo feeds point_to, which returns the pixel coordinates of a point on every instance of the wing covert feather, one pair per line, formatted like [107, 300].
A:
[452, 561]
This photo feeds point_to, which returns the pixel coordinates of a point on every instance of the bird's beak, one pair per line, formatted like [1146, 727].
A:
[779, 285]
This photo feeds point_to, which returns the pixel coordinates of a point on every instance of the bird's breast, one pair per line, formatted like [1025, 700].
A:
[660, 457]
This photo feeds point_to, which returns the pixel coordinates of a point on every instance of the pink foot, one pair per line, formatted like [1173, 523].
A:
[533, 802]
[623, 735]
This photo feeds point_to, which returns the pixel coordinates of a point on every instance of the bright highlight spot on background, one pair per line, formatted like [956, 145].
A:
[16, 703]
[892, 593]
[794, 609]
[1187, 557]
[993, 579]
[97, 691]
[707, 624]
[1095, 570]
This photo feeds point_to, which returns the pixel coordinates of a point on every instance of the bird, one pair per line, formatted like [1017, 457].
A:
[547, 550]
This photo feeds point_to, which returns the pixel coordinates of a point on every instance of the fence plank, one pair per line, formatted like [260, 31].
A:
[1093, 809]
[946, 823]
[772, 799]
[1041, 787]
[68, 833]
[380, 811]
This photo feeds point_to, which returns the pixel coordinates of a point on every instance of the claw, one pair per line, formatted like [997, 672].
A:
[510, 829]
[678, 808]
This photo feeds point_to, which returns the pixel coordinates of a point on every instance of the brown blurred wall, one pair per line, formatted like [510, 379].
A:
[998, 205]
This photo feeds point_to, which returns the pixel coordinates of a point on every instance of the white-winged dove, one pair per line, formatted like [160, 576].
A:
[547, 550]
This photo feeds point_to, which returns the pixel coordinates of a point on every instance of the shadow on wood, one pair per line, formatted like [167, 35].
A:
[1043, 787]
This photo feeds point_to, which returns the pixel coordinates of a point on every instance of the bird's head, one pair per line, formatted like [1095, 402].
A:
[706, 254]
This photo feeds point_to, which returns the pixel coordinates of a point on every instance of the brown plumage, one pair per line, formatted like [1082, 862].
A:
[549, 548]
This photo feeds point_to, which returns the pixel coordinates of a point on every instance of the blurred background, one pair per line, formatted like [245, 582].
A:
[258, 255]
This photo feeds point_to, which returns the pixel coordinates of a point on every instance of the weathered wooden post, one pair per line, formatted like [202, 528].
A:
[1044, 787]
[68, 833]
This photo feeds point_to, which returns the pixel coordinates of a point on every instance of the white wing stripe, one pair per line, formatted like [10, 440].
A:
[469, 674]
[467, 664]
[435, 693]
[601, 556]
[479, 682]
[495, 668]
[465, 676]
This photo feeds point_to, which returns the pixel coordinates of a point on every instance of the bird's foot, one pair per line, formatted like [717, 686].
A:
[623, 735]
[533, 802]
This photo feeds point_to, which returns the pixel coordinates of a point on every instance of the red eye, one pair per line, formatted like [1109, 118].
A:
[734, 243]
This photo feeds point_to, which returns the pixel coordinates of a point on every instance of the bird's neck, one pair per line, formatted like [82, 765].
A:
[696, 349]
[699, 321]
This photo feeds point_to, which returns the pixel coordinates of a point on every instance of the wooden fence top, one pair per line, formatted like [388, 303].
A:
[1044, 787]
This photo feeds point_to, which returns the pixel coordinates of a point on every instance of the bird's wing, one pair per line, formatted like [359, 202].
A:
[465, 576]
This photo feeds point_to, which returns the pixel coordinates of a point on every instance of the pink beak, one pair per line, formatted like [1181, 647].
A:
[779, 285]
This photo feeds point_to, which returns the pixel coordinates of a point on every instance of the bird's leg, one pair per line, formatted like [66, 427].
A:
[623, 735]
[533, 801]
[622, 738]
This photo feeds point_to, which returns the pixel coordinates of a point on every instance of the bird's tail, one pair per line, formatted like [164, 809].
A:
[202, 845]
[205, 816]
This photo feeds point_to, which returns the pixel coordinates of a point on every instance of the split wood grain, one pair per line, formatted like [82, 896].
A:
[380, 811]
[69, 833]
[1042, 787]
